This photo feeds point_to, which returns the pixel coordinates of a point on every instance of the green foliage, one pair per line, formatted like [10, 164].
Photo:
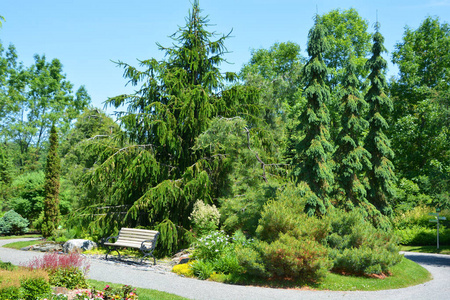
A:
[251, 260]
[408, 196]
[34, 288]
[421, 115]
[10, 293]
[184, 269]
[285, 214]
[211, 246]
[29, 194]
[51, 187]
[205, 217]
[68, 277]
[347, 36]
[312, 162]
[414, 228]
[295, 258]
[13, 223]
[7, 266]
[358, 247]
[351, 157]
[381, 174]
[153, 174]
[203, 269]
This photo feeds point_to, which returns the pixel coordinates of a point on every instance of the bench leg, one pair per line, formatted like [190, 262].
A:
[148, 254]
[112, 249]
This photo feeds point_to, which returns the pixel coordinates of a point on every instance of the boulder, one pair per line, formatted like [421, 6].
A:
[78, 245]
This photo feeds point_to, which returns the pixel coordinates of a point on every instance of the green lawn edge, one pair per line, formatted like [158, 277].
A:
[406, 273]
[427, 249]
[144, 294]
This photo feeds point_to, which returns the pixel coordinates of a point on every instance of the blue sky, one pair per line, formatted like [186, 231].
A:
[86, 35]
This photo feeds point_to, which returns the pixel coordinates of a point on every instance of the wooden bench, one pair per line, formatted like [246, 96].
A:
[142, 239]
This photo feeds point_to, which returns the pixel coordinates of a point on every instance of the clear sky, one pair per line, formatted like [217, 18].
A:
[86, 35]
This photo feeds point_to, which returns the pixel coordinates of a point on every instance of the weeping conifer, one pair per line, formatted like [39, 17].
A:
[381, 175]
[51, 187]
[155, 176]
[314, 163]
[351, 158]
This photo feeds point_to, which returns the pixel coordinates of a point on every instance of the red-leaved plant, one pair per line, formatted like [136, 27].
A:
[52, 261]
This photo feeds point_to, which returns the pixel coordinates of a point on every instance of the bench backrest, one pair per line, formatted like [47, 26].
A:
[137, 236]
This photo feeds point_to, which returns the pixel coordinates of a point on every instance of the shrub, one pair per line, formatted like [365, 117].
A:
[205, 217]
[68, 277]
[184, 269]
[250, 260]
[64, 270]
[211, 246]
[357, 247]
[53, 260]
[7, 266]
[202, 269]
[290, 257]
[10, 293]
[13, 223]
[227, 263]
[34, 288]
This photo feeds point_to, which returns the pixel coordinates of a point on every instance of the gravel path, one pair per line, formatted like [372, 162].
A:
[160, 279]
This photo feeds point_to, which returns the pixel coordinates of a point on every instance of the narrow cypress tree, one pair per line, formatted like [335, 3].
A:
[51, 187]
[351, 157]
[314, 151]
[381, 175]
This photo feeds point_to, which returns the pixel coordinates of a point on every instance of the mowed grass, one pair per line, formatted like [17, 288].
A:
[9, 237]
[427, 249]
[144, 294]
[406, 273]
[20, 245]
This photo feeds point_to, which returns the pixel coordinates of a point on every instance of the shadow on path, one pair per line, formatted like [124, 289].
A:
[431, 260]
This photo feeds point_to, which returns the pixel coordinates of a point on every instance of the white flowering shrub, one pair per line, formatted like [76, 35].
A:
[211, 246]
[204, 217]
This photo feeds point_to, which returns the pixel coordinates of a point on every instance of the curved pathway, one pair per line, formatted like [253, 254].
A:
[438, 288]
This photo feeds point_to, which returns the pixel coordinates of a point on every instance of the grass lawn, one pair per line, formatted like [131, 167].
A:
[144, 294]
[8, 237]
[427, 249]
[20, 245]
[406, 273]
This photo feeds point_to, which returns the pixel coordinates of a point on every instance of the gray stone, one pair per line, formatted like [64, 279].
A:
[78, 245]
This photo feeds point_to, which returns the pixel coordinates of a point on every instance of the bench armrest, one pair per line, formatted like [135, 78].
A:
[103, 241]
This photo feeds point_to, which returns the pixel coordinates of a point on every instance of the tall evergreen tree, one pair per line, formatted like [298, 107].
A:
[314, 162]
[156, 175]
[351, 158]
[51, 187]
[381, 175]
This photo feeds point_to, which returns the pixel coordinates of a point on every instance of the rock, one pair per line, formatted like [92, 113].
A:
[47, 247]
[78, 245]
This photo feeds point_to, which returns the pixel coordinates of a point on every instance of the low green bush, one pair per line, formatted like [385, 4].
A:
[10, 293]
[13, 223]
[202, 269]
[291, 257]
[420, 236]
[357, 247]
[250, 260]
[34, 288]
[7, 266]
[68, 277]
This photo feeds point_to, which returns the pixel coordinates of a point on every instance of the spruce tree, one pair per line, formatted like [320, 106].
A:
[51, 187]
[155, 176]
[351, 158]
[314, 162]
[381, 175]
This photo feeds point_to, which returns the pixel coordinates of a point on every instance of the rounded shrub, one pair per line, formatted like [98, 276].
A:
[13, 223]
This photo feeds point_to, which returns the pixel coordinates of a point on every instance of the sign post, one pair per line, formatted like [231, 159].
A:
[436, 220]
